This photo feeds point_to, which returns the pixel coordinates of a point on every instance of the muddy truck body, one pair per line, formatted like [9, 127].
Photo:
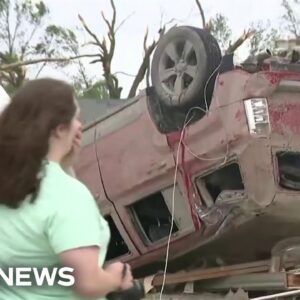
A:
[230, 133]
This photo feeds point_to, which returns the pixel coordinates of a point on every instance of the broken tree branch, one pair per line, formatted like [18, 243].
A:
[7, 67]
[106, 51]
[111, 32]
[123, 21]
[89, 44]
[245, 36]
[145, 39]
[144, 67]
[106, 21]
[124, 73]
[94, 36]
[113, 22]
[40, 69]
[201, 13]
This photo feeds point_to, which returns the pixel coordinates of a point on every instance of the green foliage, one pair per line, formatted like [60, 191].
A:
[19, 23]
[220, 29]
[97, 90]
[291, 17]
[25, 36]
[32, 12]
[264, 38]
[62, 39]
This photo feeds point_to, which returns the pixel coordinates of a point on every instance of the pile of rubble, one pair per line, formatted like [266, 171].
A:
[278, 60]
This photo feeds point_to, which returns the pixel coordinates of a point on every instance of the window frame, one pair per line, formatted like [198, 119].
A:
[205, 197]
[133, 251]
[132, 227]
[279, 188]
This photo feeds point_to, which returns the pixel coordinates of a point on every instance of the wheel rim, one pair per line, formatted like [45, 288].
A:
[178, 69]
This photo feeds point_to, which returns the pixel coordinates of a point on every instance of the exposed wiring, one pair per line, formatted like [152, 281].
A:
[172, 208]
[225, 157]
[207, 82]
[209, 158]
[181, 143]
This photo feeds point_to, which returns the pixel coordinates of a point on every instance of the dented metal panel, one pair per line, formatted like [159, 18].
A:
[88, 171]
[134, 156]
[136, 160]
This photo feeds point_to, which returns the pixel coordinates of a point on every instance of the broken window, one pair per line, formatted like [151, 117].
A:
[289, 169]
[152, 217]
[117, 246]
[224, 179]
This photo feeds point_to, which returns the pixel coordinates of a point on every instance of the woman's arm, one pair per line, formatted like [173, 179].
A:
[77, 233]
[90, 279]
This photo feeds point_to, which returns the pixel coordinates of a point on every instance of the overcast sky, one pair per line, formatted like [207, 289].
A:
[240, 14]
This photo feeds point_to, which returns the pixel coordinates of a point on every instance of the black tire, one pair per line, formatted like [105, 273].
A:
[202, 59]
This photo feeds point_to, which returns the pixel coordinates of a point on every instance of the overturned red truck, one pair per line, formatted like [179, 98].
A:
[231, 134]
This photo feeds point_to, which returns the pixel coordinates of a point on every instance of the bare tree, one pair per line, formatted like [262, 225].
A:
[106, 47]
[106, 51]
[220, 30]
[144, 67]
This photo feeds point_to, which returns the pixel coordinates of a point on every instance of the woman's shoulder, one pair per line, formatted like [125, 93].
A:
[62, 185]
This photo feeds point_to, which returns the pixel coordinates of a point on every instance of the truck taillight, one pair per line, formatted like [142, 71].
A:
[258, 116]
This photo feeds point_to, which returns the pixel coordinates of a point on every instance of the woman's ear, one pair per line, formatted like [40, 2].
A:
[60, 131]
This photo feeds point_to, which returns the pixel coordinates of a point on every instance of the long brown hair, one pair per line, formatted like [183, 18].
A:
[26, 124]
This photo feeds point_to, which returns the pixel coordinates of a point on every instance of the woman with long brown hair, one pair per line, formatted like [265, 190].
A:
[47, 217]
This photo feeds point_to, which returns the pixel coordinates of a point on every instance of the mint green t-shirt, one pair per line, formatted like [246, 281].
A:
[64, 216]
